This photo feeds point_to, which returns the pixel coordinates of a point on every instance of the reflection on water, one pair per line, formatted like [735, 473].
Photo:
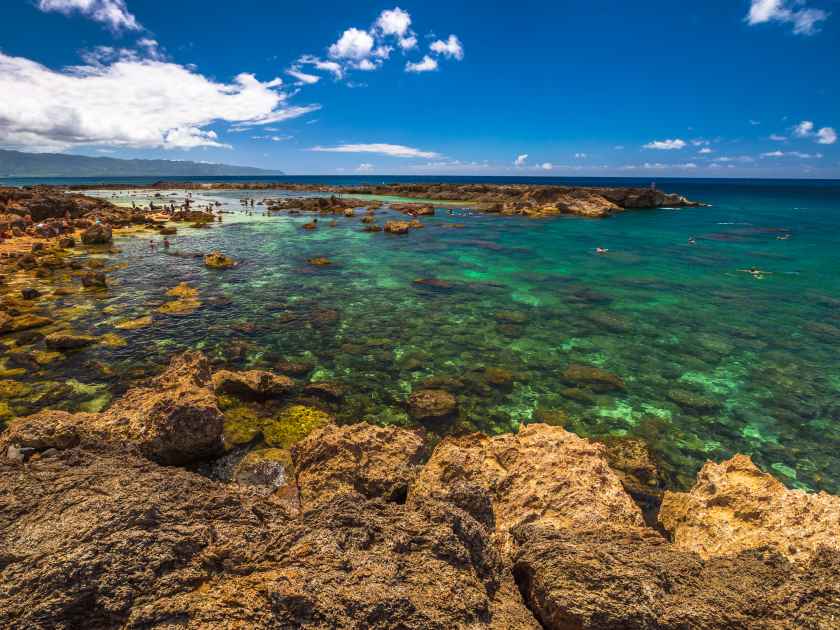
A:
[698, 358]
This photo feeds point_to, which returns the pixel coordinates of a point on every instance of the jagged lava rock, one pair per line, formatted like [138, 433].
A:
[368, 460]
[542, 474]
[735, 506]
[633, 578]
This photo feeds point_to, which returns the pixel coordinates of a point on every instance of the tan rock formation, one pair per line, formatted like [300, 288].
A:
[175, 420]
[734, 506]
[252, 384]
[364, 459]
[542, 474]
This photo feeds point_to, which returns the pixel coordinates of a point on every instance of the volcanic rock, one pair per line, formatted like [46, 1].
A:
[734, 506]
[363, 459]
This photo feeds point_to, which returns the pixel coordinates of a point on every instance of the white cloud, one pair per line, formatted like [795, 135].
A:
[805, 21]
[619, 147]
[113, 13]
[450, 48]
[777, 138]
[328, 66]
[392, 150]
[806, 129]
[427, 64]
[303, 77]
[796, 154]
[666, 145]
[394, 22]
[364, 167]
[520, 160]
[546, 166]
[132, 103]
[353, 44]
[705, 150]
[407, 43]
[580, 156]
[827, 135]
[700, 142]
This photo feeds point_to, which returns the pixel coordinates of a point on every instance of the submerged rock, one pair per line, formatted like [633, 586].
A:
[429, 404]
[292, 424]
[254, 384]
[593, 377]
[734, 506]
[68, 341]
[397, 227]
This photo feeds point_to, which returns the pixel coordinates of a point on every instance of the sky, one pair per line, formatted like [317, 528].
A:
[711, 88]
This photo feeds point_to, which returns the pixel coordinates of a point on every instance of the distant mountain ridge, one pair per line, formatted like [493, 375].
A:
[20, 164]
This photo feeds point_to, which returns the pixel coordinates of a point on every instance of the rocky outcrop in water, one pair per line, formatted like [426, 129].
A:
[734, 507]
[173, 421]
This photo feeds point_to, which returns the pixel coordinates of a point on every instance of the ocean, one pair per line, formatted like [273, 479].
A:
[695, 355]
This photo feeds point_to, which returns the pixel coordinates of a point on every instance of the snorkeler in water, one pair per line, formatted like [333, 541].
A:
[783, 237]
[601, 250]
[756, 273]
[692, 240]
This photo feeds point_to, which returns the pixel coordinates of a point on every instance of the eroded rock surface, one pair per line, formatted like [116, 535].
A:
[542, 474]
[734, 506]
[173, 421]
[362, 459]
[113, 541]
[632, 578]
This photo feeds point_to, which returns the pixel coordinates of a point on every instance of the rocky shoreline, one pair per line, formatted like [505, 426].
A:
[506, 199]
[120, 519]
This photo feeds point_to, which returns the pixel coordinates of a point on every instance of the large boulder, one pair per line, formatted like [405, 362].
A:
[542, 474]
[97, 234]
[370, 461]
[173, 421]
[632, 578]
[112, 540]
[256, 384]
[734, 506]
[431, 404]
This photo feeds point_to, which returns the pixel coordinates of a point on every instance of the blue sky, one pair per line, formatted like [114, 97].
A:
[719, 88]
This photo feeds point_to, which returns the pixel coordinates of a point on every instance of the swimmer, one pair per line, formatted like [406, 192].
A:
[601, 250]
[165, 243]
[783, 237]
[692, 240]
[755, 272]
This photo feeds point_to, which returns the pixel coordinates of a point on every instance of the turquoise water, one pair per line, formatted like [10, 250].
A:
[714, 360]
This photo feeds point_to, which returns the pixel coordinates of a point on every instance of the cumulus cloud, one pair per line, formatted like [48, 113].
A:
[666, 145]
[368, 49]
[112, 13]
[392, 150]
[824, 135]
[546, 166]
[449, 48]
[520, 160]
[354, 44]
[705, 150]
[131, 103]
[805, 21]
[426, 64]
[827, 135]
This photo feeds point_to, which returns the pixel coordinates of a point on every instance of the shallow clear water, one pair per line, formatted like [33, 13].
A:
[714, 361]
